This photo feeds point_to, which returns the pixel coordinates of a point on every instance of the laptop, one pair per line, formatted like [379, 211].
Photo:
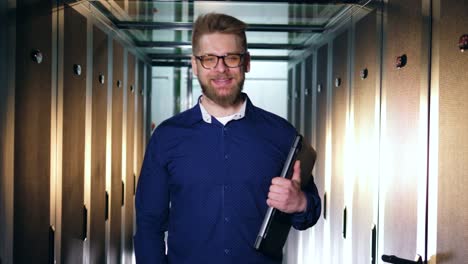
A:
[276, 224]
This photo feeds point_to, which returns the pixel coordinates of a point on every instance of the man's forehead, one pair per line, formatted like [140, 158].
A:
[217, 40]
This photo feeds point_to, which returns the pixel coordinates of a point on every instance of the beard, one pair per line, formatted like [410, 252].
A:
[222, 99]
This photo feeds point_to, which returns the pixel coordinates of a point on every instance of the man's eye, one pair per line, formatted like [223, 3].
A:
[232, 58]
[209, 59]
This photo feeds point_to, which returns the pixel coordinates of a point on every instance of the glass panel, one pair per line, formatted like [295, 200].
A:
[252, 12]
[164, 27]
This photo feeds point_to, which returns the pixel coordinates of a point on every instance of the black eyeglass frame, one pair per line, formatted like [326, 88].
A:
[241, 55]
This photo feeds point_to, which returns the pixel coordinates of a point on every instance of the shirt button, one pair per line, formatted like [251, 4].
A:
[226, 156]
[226, 251]
[226, 219]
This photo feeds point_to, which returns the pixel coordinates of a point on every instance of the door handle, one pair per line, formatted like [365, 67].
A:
[84, 229]
[374, 245]
[397, 260]
[106, 213]
[51, 245]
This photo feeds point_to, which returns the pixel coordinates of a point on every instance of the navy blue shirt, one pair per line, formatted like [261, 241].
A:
[207, 185]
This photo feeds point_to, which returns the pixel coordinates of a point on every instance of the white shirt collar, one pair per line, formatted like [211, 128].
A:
[207, 117]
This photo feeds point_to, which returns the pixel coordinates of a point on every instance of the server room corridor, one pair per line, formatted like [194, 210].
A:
[377, 87]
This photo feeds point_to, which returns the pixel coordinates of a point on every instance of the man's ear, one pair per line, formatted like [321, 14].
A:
[247, 62]
[194, 66]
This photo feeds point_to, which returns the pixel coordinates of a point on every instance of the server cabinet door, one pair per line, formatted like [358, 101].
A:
[130, 171]
[321, 139]
[139, 138]
[449, 133]
[307, 93]
[364, 154]
[7, 104]
[116, 194]
[403, 132]
[32, 140]
[290, 94]
[296, 96]
[73, 93]
[98, 147]
[148, 95]
[339, 116]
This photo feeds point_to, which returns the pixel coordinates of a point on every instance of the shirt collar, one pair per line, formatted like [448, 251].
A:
[207, 117]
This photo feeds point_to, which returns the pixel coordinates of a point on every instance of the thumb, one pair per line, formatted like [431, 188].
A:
[297, 172]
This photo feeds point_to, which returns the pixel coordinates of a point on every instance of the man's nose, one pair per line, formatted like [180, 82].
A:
[221, 66]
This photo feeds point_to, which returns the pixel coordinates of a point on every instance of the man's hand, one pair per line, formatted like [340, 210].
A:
[286, 194]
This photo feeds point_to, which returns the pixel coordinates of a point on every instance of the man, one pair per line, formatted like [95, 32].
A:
[209, 173]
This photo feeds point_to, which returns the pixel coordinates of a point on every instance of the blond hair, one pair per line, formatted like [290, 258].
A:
[217, 23]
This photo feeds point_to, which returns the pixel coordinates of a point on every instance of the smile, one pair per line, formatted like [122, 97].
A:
[222, 81]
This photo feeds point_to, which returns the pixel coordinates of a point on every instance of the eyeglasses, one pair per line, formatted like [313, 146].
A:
[230, 60]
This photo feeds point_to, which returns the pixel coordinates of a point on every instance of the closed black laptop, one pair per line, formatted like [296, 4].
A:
[276, 224]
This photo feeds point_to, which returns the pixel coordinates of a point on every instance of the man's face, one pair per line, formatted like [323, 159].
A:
[221, 84]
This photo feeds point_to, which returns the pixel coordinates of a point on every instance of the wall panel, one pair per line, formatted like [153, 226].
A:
[32, 133]
[98, 146]
[339, 115]
[73, 134]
